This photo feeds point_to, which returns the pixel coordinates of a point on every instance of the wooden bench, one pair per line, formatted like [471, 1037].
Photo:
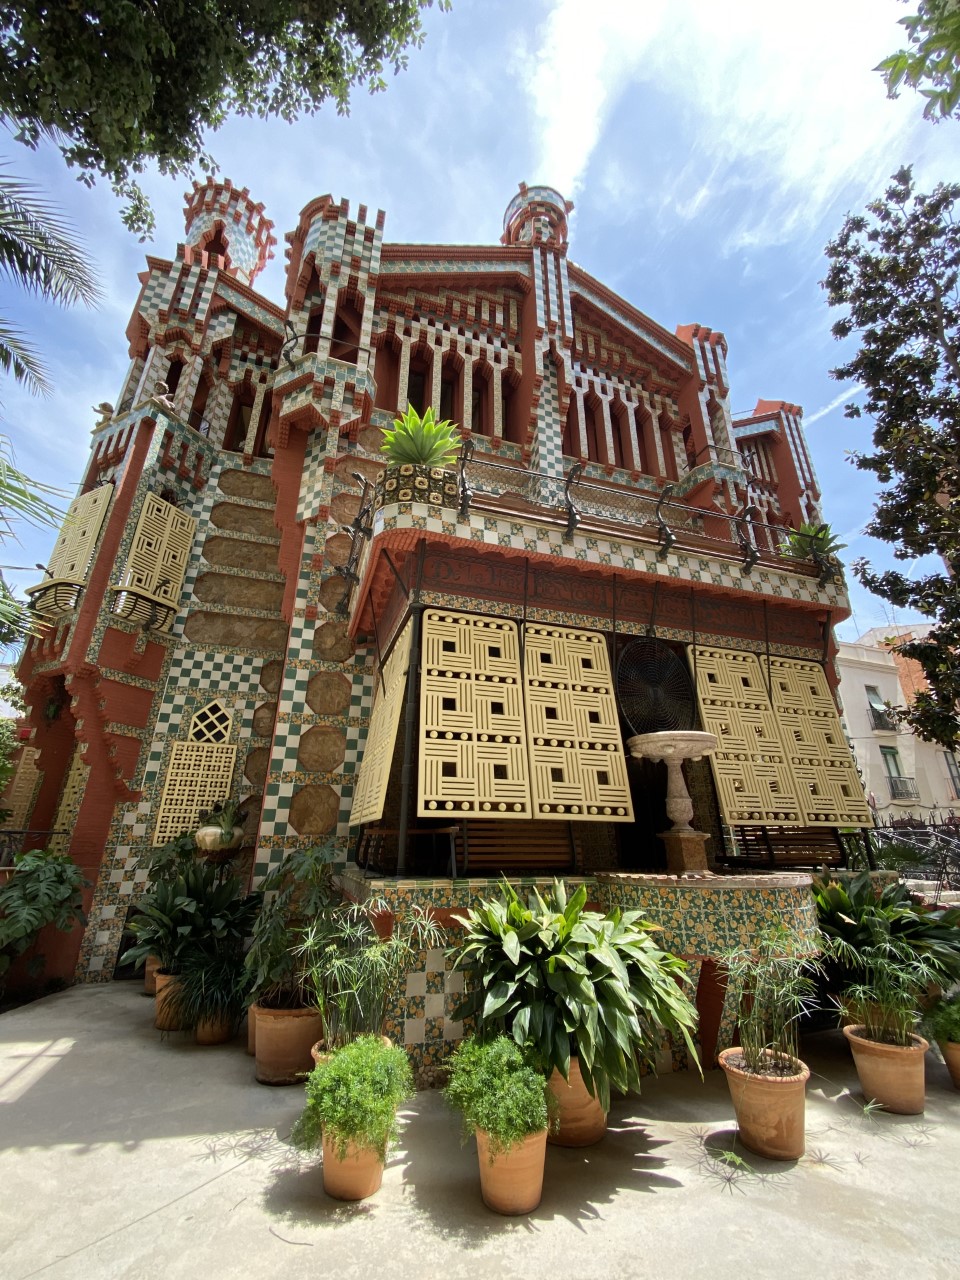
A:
[476, 846]
[786, 847]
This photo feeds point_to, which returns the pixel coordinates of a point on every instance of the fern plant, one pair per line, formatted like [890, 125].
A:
[496, 1090]
[421, 441]
[45, 888]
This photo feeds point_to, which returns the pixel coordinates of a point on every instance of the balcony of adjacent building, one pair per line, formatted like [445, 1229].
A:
[879, 713]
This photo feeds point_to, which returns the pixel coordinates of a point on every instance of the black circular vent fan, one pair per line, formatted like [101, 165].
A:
[654, 688]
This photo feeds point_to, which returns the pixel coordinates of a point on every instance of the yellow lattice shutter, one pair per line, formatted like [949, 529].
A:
[577, 765]
[20, 796]
[828, 785]
[199, 775]
[473, 755]
[70, 798]
[73, 549]
[371, 788]
[157, 564]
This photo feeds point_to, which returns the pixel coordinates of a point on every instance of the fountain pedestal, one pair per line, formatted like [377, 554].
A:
[686, 848]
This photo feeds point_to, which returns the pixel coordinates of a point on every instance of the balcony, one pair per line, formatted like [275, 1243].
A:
[903, 789]
[881, 719]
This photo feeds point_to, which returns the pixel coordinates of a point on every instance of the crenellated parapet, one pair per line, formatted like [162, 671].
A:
[227, 229]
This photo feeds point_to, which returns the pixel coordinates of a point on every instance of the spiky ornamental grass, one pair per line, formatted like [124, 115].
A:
[774, 985]
[560, 979]
[421, 441]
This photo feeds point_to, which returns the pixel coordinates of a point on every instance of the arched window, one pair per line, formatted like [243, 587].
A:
[174, 371]
[666, 442]
[514, 425]
[451, 389]
[347, 324]
[239, 421]
[387, 375]
[481, 401]
[571, 430]
[418, 384]
[216, 247]
[198, 409]
[311, 340]
[593, 424]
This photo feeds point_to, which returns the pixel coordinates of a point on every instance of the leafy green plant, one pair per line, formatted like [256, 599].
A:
[201, 911]
[495, 1089]
[810, 540]
[296, 893]
[943, 1020]
[45, 888]
[352, 969]
[210, 987]
[172, 859]
[773, 986]
[562, 979]
[226, 815]
[886, 999]
[856, 918]
[421, 441]
[354, 1097]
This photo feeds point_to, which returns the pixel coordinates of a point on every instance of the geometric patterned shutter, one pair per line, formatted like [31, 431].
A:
[473, 752]
[70, 797]
[371, 786]
[157, 564]
[199, 776]
[577, 765]
[81, 527]
[780, 763]
[19, 798]
[829, 787]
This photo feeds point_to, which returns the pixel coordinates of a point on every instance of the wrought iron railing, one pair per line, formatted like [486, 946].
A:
[881, 719]
[904, 789]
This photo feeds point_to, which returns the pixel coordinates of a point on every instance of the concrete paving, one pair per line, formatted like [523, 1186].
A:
[122, 1155]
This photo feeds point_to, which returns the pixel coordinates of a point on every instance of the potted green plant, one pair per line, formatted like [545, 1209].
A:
[351, 1112]
[591, 994]
[942, 1023]
[773, 987]
[884, 1005]
[221, 828]
[503, 1100]
[353, 969]
[418, 452]
[209, 994]
[284, 1014]
[166, 864]
[44, 889]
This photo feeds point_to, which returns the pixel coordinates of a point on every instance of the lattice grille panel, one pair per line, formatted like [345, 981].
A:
[473, 756]
[828, 785]
[159, 552]
[199, 775]
[20, 795]
[754, 780]
[81, 527]
[70, 797]
[577, 766]
[210, 724]
[371, 788]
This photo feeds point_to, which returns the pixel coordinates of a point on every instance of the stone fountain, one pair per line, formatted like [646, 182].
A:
[686, 848]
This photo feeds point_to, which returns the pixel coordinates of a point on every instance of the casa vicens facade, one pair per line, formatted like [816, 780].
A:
[431, 669]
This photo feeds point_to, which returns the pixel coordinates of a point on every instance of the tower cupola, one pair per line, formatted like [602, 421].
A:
[223, 223]
[537, 215]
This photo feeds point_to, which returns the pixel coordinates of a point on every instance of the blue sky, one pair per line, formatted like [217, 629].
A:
[711, 151]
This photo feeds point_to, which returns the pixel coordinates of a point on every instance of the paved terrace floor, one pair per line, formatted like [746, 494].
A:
[124, 1155]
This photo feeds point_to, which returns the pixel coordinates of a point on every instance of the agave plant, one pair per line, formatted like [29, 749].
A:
[810, 540]
[421, 441]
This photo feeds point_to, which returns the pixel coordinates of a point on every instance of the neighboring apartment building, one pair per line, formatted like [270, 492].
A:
[244, 603]
[904, 777]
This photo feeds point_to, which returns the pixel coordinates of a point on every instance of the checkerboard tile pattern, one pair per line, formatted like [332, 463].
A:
[214, 669]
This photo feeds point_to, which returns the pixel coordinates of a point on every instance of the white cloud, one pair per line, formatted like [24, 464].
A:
[843, 398]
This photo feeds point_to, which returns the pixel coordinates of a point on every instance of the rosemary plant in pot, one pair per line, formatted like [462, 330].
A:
[504, 1101]
[351, 1111]
[887, 1050]
[591, 994]
[774, 986]
[942, 1023]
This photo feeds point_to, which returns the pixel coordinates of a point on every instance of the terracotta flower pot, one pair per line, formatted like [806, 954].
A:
[951, 1056]
[284, 1040]
[770, 1109]
[582, 1121]
[151, 965]
[512, 1182]
[318, 1052]
[215, 1030]
[890, 1074]
[355, 1177]
[165, 1019]
[252, 1030]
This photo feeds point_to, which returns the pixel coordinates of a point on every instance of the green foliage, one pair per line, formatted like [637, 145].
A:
[297, 892]
[886, 999]
[201, 911]
[495, 1089]
[352, 970]
[118, 84]
[354, 1098]
[942, 1022]
[45, 888]
[557, 977]
[8, 746]
[855, 920]
[210, 986]
[20, 499]
[812, 540]
[895, 270]
[931, 63]
[172, 859]
[421, 441]
[773, 985]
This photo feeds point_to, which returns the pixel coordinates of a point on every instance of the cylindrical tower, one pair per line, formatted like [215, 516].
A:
[537, 215]
[222, 221]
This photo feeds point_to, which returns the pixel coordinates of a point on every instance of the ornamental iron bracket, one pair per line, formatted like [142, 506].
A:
[751, 553]
[464, 492]
[573, 511]
[291, 341]
[665, 535]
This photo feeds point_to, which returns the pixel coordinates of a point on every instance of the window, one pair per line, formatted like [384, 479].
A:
[891, 762]
[953, 773]
[880, 716]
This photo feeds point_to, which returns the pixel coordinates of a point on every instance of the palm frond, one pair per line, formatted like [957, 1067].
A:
[19, 358]
[39, 250]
